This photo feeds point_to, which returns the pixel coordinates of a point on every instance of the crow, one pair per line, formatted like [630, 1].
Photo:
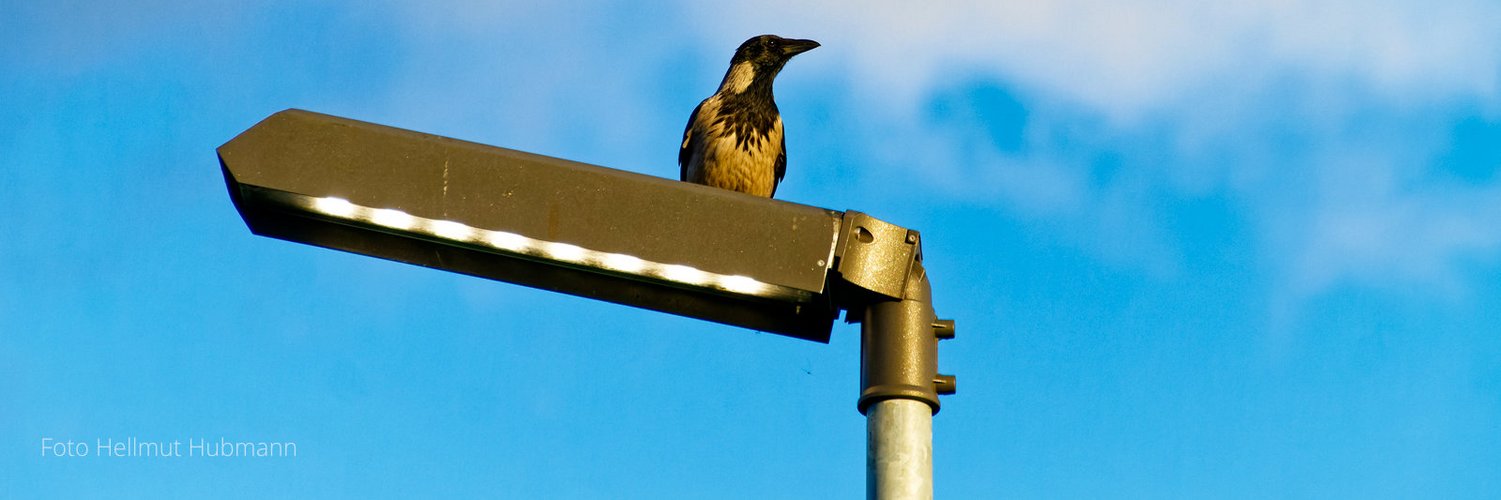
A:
[734, 138]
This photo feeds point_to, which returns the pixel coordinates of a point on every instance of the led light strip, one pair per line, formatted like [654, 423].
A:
[557, 251]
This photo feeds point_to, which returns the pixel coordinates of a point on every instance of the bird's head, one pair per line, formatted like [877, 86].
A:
[762, 57]
[770, 52]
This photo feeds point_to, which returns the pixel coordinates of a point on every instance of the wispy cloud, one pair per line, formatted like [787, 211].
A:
[1323, 119]
[1127, 59]
[539, 76]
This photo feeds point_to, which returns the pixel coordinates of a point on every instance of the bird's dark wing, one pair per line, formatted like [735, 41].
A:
[781, 165]
[690, 142]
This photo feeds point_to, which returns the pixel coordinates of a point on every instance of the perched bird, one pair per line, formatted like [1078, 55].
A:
[734, 138]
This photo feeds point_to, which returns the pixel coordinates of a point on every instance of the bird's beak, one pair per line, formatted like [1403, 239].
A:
[792, 47]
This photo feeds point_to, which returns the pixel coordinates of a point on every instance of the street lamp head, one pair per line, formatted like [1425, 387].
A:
[537, 221]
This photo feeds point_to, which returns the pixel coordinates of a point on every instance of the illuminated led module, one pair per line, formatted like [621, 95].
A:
[557, 251]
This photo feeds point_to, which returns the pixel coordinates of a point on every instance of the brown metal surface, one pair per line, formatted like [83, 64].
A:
[546, 198]
[899, 347]
[875, 255]
[313, 155]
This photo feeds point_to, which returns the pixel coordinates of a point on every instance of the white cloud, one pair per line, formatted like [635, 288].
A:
[1254, 97]
[1369, 225]
[1128, 58]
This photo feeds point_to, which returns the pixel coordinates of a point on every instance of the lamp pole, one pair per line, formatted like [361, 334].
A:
[899, 450]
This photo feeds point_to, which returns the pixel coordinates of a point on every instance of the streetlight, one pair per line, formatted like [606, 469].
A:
[617, 236]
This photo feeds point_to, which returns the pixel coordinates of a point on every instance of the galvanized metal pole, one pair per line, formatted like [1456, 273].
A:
[899, 450]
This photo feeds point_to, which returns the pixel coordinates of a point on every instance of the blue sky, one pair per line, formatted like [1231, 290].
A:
[1239, 250]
